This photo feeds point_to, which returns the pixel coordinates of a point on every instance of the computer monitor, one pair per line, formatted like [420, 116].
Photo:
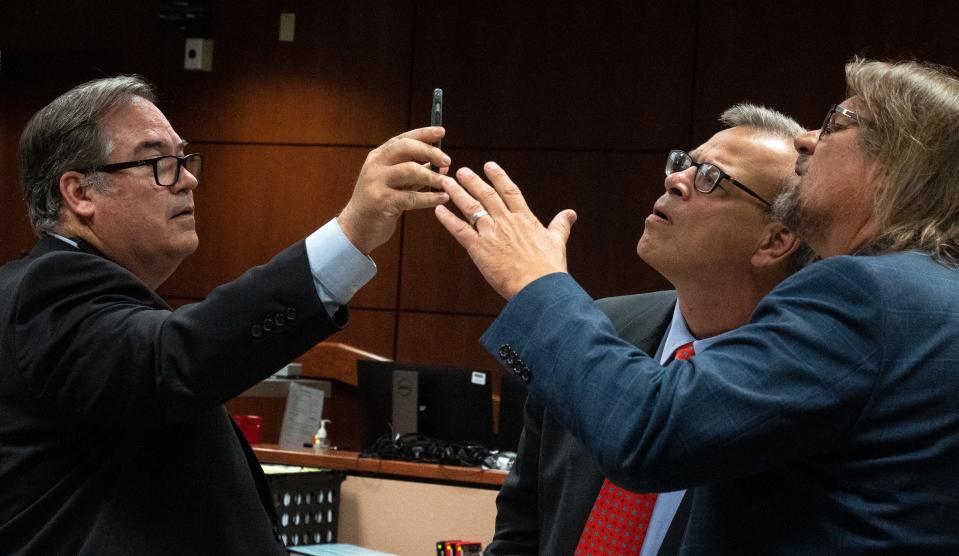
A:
[452, 404]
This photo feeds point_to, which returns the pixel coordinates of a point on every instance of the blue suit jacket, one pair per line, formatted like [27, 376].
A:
[828, 424]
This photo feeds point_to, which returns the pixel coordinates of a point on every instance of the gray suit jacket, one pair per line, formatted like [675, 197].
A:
[550, 490]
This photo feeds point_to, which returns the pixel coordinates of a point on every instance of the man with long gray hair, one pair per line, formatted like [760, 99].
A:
[113, 439]
[828, 423]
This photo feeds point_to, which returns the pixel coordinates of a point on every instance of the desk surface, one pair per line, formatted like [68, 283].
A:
[351, 461]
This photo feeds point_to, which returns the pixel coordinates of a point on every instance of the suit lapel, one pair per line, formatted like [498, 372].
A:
[641, 319]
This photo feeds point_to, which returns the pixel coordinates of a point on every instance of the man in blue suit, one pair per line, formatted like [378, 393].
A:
[829, 422]
[714, 238]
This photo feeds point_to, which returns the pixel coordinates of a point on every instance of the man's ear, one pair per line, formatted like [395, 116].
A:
[75, 195]
[776, 245]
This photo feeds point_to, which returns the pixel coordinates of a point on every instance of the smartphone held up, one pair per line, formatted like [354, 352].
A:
[436, 117]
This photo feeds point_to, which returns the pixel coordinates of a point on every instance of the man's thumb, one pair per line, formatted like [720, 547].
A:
[563, 223]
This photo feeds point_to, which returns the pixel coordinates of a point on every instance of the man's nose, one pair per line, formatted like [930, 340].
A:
[806, 143]
[187, 181]
[680, 183]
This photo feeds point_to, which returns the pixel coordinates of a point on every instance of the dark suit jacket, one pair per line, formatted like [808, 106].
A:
[113, 439]
[551, 487]
[828, 424]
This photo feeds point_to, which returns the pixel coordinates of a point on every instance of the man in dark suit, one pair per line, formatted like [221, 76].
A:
[825, 425]
[544, 503]
[113, 439]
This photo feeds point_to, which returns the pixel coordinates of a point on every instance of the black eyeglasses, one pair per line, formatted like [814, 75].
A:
[829, 124]
[708, 175]
[166, 169]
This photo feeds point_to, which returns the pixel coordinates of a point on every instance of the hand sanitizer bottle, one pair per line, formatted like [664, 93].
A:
[319, 439]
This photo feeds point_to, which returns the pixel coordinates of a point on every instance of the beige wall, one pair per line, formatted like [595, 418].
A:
[406, 518]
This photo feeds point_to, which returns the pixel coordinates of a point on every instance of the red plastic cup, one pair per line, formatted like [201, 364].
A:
[251, 426]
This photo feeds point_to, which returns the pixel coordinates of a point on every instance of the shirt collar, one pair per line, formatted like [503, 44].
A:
[679, 335]
[61, 238]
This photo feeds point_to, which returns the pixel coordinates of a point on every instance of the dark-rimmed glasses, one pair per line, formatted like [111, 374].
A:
[829, 124]
[708, 175]
[166, 169]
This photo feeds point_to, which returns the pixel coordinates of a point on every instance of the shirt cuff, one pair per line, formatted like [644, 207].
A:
[339, 268]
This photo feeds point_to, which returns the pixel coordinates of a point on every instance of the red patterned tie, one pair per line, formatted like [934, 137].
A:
[619, 518]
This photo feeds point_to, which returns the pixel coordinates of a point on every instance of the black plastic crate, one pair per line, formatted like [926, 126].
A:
[307, 505]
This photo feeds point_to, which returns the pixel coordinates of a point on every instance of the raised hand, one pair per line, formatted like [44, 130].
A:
[394, 178]
[506, 241]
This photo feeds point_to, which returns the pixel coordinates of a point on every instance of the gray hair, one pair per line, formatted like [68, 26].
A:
[64, 135]
[762, 119]
[775, 123]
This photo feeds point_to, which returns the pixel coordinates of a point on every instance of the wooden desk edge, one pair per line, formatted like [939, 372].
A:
[350, 461]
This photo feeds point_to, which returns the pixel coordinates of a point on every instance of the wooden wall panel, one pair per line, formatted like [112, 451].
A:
[786, 58]
[370, 330]
[18, 235]
[924, 31]
[579, 102]
[612, 194]
[26, 85]
[256, 200]
[78, 25]
[444, 339]
[343, 80]
[792, 58]
[588, 75]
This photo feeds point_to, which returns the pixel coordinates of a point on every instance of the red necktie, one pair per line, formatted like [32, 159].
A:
[619, 518]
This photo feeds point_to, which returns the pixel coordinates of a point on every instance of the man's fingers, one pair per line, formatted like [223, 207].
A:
[460, 230]
[429, 134]
[482, 192]
[423, 199]
[412, 146]
[466, 204]
[562, 224]
[444, 170]
[412, 176]
[508, 191]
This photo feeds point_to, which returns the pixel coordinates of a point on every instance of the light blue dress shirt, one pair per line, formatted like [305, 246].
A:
[668, 502]
[339, 268]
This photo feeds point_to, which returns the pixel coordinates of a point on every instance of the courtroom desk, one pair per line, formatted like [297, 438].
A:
[351, 461]
[403, 507]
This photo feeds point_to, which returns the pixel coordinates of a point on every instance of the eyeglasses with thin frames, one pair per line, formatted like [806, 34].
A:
[166, 169]
[708, 175]
[829, 124]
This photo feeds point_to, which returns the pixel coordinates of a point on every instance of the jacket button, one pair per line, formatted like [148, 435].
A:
[291, 314]
[267, 324]
[256, 331]
[279, 319]
[504, 351]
